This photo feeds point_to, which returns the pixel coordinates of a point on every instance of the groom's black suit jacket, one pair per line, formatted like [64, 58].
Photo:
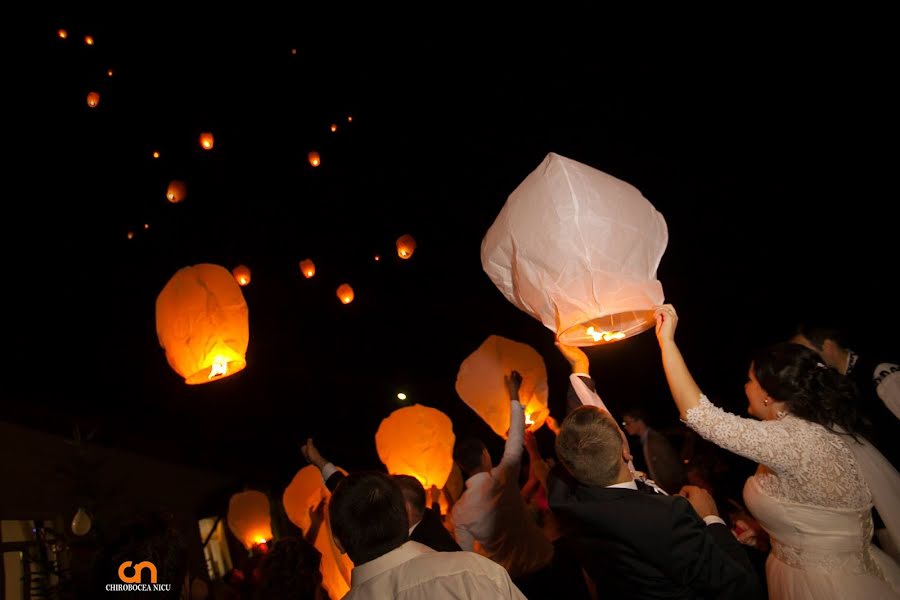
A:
[639, 544]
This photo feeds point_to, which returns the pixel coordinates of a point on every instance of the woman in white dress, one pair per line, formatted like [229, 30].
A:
[817, 479]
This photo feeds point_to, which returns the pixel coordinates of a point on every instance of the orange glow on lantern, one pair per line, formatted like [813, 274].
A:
[176, 192]
[333, 128]
[314, 159]
[293, 51]
[146, 226]
[63, 34]
[202, 323]
[241, 274]
[377, 258]
[308, 268]
[406, 245]
[345, 293]
[417, 441]
[155, 154]
[130, 235]
[109, 72]
[249, 518]
[89, 40]
[206, 140]
[349, 119]
[93, 99]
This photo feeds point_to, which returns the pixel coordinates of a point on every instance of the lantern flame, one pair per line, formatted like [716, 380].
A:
[528, 420]
[606, 336]
[260, 540]
[219, 367]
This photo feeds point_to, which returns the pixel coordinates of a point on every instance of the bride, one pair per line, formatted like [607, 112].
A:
[818, 478]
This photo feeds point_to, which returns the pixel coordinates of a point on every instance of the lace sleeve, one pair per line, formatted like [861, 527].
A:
[767, 442]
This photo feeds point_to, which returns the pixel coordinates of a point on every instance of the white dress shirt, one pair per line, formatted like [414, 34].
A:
[416, 572]
[491, 511]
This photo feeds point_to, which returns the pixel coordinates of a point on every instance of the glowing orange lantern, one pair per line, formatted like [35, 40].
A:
[89, 40]
[305, 492]
[155, 154]
[406, 245]
[308, 268]
[377, 258]
[206, 141]
[349, 119]
[202, 323]
[130, 235]
[293, 51]
[578, 249]
[480, 383]
[333, 128]
[63, 34]
[314, 159]
[109, 72]
[93, 99]
[345, 293]
[241, 274]
[146, 226]
[249, 518]
[418, 441]
[176, 192]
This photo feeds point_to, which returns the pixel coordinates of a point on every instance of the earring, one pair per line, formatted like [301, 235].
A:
[766, 401]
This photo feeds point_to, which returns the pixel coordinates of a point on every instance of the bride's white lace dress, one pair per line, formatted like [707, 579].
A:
[812, 497]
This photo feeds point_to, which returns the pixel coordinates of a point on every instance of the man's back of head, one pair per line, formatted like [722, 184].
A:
[589, 444]
[413, 495]
[368, 515]
[469, 455]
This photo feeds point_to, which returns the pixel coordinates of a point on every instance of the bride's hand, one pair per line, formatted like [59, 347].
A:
[666, 321]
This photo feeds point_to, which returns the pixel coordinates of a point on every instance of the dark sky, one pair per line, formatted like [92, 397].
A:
[769, 152]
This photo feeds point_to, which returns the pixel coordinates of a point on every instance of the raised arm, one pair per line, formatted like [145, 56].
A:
[684, 389]
[512, 451]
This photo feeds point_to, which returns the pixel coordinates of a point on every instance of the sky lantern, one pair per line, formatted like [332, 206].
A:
[156, 154]
[578, 250]
[89, 40]
[406, 245]
[349, 118]
[480, 383]
[333, 127]
[304, 493]
[63, 34]
[130, 235]
[377, 257]
[417, 440]
[109, 72]
[93, 99]
[207, 141]
[241, 274]
[314, 159]
[202, 323]
[294, 51]
[308, 268]
[249, 518]
[176, 192]
[345, 293]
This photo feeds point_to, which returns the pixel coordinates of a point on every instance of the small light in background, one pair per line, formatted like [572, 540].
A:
[401, 396]
[156, 154]
[89, 40]
[333, 127]
[349, 118]
[109, 72]
[146, 226]
[294, 51]
[130, 235]
[63, 34]
[377, 258]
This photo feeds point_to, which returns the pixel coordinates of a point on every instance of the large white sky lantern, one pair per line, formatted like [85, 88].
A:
[480, 383]
[578, 249]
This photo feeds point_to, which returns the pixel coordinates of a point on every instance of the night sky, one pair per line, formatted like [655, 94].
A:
[770, 153]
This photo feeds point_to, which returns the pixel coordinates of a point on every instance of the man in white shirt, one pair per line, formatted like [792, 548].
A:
[369, 523]
[491, 511]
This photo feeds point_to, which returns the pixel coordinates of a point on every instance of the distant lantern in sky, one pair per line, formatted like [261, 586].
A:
[156, 154]
[130, 235]
[202, 323]
[314, 159]
[377, 257]
[93, 99]
[349, 118]
[176, 191]
[109, 72]
[345, 293]
[578, 250]
[308, 268]
[249, 518]
[63, 34]
[89, 40]
[146, 226]
[418, 441]
[206, 140]
[293, 51]
[406, 245]
[241, 274]
[333, 127]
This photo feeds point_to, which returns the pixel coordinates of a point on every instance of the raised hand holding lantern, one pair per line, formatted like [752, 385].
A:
[480, 383]
[578, 249]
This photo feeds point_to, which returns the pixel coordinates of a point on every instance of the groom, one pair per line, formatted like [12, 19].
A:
[633, 542]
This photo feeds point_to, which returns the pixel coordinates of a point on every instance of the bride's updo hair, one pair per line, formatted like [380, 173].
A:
[797, 376]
